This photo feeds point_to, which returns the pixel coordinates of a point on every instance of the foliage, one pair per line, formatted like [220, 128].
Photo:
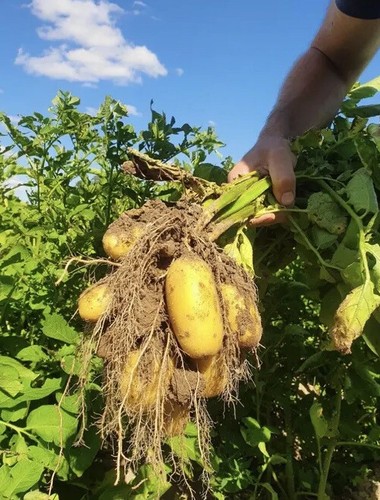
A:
[306, 425]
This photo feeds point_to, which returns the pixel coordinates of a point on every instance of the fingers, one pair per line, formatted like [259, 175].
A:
[268, 220]
[281, 170]
[241, 168]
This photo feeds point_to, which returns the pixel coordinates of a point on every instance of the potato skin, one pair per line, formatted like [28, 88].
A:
[176, 417]
[243, 316]
[93, 302]
[193, 306]
[117, 244]
[137, 391]
[214, 373]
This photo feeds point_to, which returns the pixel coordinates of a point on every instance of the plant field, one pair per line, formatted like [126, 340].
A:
[306, 425]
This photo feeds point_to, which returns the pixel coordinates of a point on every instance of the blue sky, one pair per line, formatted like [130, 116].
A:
[206, 62]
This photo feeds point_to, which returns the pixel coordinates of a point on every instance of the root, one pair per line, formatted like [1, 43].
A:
[87, 262]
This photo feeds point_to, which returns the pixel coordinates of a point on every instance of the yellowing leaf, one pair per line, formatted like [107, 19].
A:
[352, 315]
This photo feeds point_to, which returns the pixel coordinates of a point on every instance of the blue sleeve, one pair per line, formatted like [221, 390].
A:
[362, 9]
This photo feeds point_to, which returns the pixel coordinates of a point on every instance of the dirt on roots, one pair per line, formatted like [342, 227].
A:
[137, 321]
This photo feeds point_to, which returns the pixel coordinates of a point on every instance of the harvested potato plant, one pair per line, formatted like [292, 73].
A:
[166, 339]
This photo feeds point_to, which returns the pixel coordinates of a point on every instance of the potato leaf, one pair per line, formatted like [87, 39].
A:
[326, 213]
[361, 193]
[52, 424]
[352, 315]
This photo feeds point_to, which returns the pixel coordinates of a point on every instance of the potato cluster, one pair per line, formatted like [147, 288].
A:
[201, 313]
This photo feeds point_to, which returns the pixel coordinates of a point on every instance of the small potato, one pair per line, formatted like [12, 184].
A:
[215, 375]
[176, 417]
[93, 302]
[140, 382]
[117, 244]
[193, 306]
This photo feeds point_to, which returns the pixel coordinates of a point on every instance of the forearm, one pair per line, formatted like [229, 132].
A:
[309, 98]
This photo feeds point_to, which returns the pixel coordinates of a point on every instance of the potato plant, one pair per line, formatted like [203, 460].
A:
[306, 425]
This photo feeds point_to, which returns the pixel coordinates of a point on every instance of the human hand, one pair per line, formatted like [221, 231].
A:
[271, 155]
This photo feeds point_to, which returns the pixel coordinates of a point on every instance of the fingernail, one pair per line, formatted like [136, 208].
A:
[287, 198]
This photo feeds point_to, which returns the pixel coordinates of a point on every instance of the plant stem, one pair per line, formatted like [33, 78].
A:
[311, 247]
[331, 447]
[352, 443]
[19, 430]
[289, 452]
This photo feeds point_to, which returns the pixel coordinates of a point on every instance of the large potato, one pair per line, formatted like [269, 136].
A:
[193, 306]
[93, 302]
[243, 316]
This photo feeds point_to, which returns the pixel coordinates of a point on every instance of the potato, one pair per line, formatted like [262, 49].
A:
[243, 316]
[193, 306]
[215, 375]
[140, 382]
[176, 417]
[117, 244]
[93, 302]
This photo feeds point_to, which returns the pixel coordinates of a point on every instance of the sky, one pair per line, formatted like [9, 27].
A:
[205, 62]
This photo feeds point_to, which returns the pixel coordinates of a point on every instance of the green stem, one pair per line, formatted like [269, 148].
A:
[330, 448]
[19, 430]
[352, 443]
[311, 247]
[289, 452]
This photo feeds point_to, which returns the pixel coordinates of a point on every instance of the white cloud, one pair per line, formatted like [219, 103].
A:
[139, 3]
[132, 110]
[90, 110]
[90, 46]
[179, 71]
[211, 123]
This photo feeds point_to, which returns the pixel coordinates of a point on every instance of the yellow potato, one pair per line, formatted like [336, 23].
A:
[93, 302]
[215, 375]
[193, 306]
[117, 244]
[140, 383]
[176, 417]
[243, 316]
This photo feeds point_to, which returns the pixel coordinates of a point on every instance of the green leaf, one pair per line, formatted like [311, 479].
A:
[50, 459]
[24, 373]
[18, 412]
[32, 353]
[368, 89]
[318, 420]
[81, 457]
[326, 213]
[361, 193]
[366, 111]
[22, 476]
[52, 424]
[38, 495]
[210, 173]
[253, 433]
[269, 488]
[9, 381]
[56, 327]
[371, 335]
